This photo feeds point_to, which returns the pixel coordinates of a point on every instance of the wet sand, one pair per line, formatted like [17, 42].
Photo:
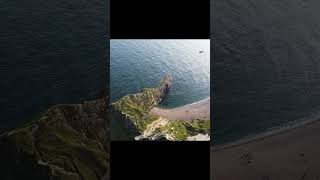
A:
[198, 110]
[284, 154]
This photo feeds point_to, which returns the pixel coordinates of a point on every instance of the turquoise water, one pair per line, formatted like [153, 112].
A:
[137, 64]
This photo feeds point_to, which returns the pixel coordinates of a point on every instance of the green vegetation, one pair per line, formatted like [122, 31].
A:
[67, 142]
[136, 107]
[176, 129]
[131, 117]
[179, 130]
[200, 126]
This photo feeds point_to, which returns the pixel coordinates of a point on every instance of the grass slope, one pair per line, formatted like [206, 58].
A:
[136, 109]
[67, 142]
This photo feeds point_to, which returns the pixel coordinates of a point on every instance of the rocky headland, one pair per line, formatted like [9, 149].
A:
[69, 141]
[132, 118]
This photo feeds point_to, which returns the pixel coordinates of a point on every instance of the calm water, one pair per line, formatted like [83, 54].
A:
[50, 52]
[266, 65]
[137, 64]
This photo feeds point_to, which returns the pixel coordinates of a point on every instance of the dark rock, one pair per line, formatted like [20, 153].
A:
[165, 85]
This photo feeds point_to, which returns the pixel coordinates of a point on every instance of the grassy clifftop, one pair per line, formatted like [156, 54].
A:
[136, 107]
[67, 142]
[132, 119]
[175, 130]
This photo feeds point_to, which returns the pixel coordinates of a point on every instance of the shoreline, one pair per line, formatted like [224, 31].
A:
[188, 105]
[278, 130]
[293, 148]
[197, 110]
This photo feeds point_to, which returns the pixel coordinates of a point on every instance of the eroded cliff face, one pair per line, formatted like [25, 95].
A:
[131, 118]
[69, 141]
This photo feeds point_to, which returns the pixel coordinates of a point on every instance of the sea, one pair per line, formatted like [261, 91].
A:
[51, 52]
[266, 66]
[137, 64]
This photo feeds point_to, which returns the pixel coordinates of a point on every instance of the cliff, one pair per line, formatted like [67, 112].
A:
[132, 119]
[69, 141]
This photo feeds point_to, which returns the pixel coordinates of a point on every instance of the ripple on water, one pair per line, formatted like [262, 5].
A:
[136, 64]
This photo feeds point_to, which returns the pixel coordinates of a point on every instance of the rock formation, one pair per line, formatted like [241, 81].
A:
[131, 118]
[165, 84]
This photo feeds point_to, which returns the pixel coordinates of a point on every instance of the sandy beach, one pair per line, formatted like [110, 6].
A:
[198, 110]
[286, 154]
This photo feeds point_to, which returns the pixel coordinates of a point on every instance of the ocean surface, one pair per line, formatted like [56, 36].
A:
[51, 52]
[138, 64]
[266, 65]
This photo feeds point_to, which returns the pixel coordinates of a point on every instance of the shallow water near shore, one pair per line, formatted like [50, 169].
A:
[138, 64]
